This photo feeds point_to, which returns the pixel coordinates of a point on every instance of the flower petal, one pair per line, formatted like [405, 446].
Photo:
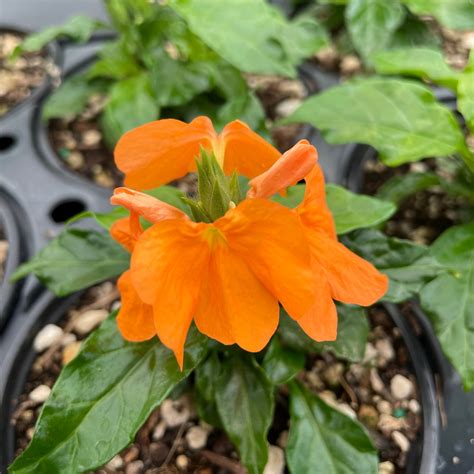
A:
[234, 306]
[245, 151]
[152, 209]
[135, 318]
[270, 239]
[167, 266]
[126, 231]
[161, 151]
[352, 279]
[292, 167]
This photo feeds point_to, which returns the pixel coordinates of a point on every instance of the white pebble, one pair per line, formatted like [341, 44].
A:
[276, 461]
[49, 335]
[135, 467]
[88, 320]
[196, 437]
[386, 467]
[414, 406]
[40, 394]
[287, 107]
[68, 339]
[175, 412]
[159, 431]
[115, 463]
[384, 407]
[385, 349]
[401, 387]
[401, 440]
[376, 381]
[182, 461]
[370, 353]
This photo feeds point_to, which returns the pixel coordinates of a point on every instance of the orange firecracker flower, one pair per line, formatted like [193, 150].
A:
[230, 275]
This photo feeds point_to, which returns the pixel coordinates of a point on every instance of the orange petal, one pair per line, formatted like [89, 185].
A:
[161, 151]
[152, 209]
[314, 211]
[292, 167]
[320, 322]
[167, 267]
[270, 239]
[126, 231]
[352, 279]
[244, 151]
[234, 306]
[135, 318]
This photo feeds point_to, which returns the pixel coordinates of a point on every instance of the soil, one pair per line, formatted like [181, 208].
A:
[20, 77]
[361, 390]
[79, 142]
[3, 252]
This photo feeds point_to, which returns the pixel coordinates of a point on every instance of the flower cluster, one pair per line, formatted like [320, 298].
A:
[229, 275]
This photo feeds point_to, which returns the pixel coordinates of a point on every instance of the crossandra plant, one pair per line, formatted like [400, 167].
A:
[403, 120]
[173, 59]
[235, 286]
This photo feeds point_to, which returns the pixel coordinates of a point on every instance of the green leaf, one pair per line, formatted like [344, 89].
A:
[415, 32]
[78, 28]
[400, 118]
[245, 404]
[352, 332]
[409, 266]
[171, 195]
[455, 14]
[76, 259]
[371, 23]
[466, 92]
[131, 103]
[282, 363]
[101, 399]
[250, 34]
[449, 299]
[322, 440]
[71, 98]
[397, 188]
[425, 63]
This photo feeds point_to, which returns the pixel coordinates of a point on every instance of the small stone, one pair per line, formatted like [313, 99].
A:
[158, 452]
[399, 412]
[401, 387]
[388, 423]
[40, 394]
[175, 412]
[385, 349]
[276, 461]
[135, 467]
[467, 40]
[350, 64]
[328, 56]
[333, 374]
[115, 463]
[91, 138]
[75, 160]
[196, 437]
[314, 380]
[49, 335]
[282, 440]
[103, 179]
[68, 338]
[131, 455]
[370, 353]
[287, 107]
[414, 406]
[386, 467]
[384, 407]
[159, 431]
[182, 461]
[30, 432]
[376, 382]
[71, 351]
[88, 320]
[369, 416]
[456, 460]
[401, 440]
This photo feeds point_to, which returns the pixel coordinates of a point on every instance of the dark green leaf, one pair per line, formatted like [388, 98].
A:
[352, 332]
[400, 118]
[282, 363]
[105, 219]
[322, 440]
[245, 405]
[466, 92]
[415, 32]
[371, 23]
[130, 104]
[408, 265]
[425, 63]
[101, 399]
[76, 259]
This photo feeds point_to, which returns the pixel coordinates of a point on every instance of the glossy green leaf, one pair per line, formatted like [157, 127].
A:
[350, 211]
[400, 118]
[409, 266]
[466, 92]
[245, 405]
[397, 188]
[425, 63]
[78, 28]
[455, 14]
[322, 440]
[251, 34]
[352, 332]
[371, 23]
[101, 399]
[282, 363]
[76, 259]
[131, 103]
[70, 99]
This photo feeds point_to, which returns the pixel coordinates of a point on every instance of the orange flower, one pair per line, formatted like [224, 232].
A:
[339, 273]
[161, 151]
